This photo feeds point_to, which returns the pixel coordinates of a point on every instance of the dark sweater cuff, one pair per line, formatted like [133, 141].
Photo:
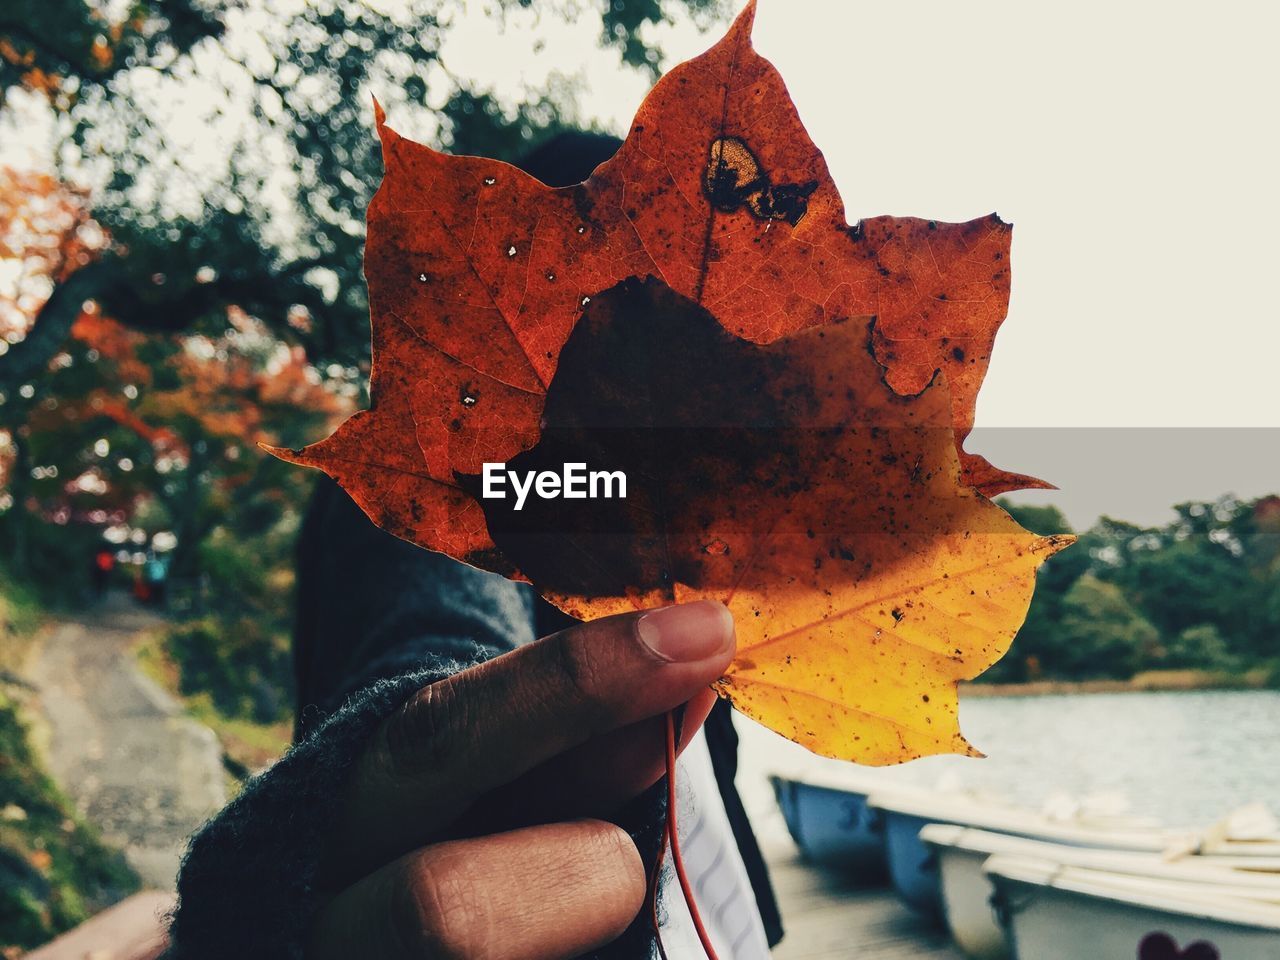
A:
[247, 887]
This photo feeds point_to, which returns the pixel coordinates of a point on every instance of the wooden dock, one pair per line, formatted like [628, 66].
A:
[827, 917]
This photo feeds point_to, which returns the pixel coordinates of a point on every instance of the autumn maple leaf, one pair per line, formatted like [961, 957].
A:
[787, 394]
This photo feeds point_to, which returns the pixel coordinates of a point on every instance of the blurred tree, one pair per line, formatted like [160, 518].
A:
[1259, 534]
[1197, 570]
[1207, 584]
[46, 235]
[60, 47]
[120, 418]
[275, 223]
[1201, 647]
[170, 424]
[1099, 634]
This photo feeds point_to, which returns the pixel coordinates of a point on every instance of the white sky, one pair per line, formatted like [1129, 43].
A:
[1133, 145]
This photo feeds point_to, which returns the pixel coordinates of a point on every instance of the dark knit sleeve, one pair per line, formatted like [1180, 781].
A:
[248, 883]
[248, 887]
[377, 619]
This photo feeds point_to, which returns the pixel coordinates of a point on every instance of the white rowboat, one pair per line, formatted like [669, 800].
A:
[1054, 911]
[960, 853]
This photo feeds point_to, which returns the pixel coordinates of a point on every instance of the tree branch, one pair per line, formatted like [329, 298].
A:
[28, 358]
[35, 40]
[152, 308]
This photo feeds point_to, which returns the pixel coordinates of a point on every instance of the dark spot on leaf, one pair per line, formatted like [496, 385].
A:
[733, 179]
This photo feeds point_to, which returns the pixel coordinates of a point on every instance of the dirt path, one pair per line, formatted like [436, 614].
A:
[135, 766]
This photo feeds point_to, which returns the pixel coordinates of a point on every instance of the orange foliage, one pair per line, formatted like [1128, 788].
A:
[223, 392]
[44, 73]
[46, 232]
[211, 389]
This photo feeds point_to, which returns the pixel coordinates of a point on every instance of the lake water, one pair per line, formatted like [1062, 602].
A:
[1184, 758]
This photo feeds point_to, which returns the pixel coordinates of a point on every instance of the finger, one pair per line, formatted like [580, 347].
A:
[543, 893]
[594, 779]
[458, 739]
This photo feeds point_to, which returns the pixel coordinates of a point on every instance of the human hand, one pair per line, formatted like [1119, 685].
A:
[471, 827]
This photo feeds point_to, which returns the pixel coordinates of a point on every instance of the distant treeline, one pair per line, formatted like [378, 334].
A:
[1201, 593]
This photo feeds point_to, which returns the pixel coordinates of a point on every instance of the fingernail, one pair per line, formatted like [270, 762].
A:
[687, 632]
